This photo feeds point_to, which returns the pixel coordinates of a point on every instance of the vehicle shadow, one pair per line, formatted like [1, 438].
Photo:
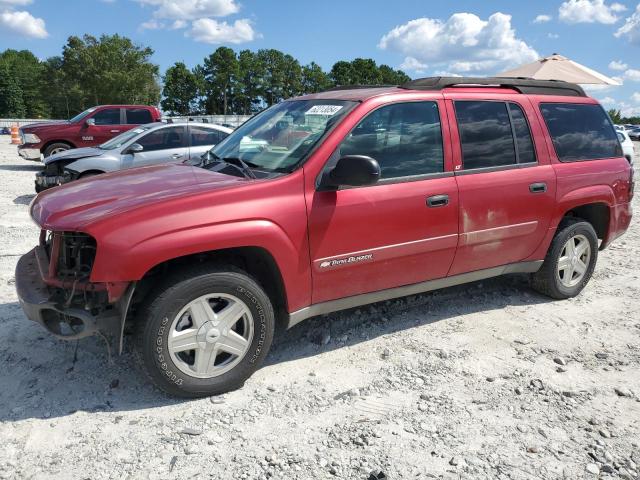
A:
[23, 168]
[43, 377]
[24, 199]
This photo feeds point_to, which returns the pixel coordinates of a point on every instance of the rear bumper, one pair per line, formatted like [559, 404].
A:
[619, 220]
[29, 153]
[40, 305]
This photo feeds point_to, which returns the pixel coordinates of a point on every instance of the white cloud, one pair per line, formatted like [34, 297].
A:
[463, 43]
[191, 9]
[207, 30]
[608, 101]
[23, 23]
[15, 3]
[553, 36]
[177, 24]
[413, 65]
[631, 28]
[618, 65]
[589, 11]
[636, 97]
[542, 19]
[632, 74]
[152, 24]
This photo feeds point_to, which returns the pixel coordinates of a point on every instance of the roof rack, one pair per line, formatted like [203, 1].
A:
[356, 87]
[521, 84]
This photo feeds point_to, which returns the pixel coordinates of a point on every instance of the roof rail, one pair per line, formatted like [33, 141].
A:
[521, 84]
[356, 87]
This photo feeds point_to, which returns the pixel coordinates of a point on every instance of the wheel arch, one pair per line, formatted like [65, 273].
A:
[51, 142]
[256, 261]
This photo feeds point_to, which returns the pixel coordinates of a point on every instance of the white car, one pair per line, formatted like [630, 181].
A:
[627, 145]
[144, 145]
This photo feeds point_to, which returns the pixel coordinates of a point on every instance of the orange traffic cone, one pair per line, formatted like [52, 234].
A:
[15, 136]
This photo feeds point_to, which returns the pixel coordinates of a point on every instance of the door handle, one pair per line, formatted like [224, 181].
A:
[176, 155]
[437, 201]
[115, 131]
[538, 187]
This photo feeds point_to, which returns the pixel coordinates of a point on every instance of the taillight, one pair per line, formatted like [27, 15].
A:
[632, 183]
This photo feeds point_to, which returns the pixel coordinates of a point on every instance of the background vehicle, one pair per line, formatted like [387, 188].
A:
[91, 127]
[144, 145]
[628, 149]
[347, 197]
[634, 133]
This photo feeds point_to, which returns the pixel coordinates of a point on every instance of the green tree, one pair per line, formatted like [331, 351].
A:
[27, 71]
[220, 71]
[111, 69]
[11, 103]
[180, 90]
[389, 76]
[273, 78]
[342, 73]
[248, 84]
[616, 116]
[314, 79]
[365, 72]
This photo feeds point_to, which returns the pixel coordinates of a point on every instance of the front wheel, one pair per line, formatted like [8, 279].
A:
[205, 332]
[570, 261]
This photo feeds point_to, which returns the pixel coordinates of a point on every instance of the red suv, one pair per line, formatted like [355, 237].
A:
[323, 203]
[87, 129]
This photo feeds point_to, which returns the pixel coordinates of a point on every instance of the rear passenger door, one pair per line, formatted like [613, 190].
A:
[202, 139]
[137, 116]
[505, 181]
[168, 144]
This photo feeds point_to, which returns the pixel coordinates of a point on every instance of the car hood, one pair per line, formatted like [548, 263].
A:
[42, 125]
[75, 205]
[74, 154]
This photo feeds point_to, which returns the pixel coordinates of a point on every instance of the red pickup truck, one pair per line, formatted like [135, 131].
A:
[323, 203]
[87, 129]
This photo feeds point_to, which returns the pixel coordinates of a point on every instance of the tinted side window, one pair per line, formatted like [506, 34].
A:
[163, 139]
[206, 136]
[580, 131]
[524, 144]
[485, 134]
[108, 116]
[138, 116]
[404, 138]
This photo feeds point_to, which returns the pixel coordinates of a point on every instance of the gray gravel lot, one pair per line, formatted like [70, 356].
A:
[484, 381]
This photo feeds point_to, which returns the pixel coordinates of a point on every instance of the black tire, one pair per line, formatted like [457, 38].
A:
[546, 280]
[56, 146]
[158, 312]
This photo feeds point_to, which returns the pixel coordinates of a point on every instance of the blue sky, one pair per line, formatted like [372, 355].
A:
[422, 37]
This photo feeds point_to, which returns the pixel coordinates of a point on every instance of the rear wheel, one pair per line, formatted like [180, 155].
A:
[205, 332]
[570, 260]
[56, 148]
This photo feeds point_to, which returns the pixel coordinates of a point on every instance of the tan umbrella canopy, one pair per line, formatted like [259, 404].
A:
[557, 67]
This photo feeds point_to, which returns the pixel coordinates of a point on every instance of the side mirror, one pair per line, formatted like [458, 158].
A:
[134, 148]
[90, 122]
[352, 171]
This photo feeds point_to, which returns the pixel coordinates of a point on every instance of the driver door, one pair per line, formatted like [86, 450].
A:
[167, 144]
[400, 231]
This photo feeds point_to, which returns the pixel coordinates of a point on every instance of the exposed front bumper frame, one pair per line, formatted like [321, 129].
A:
[30, 153]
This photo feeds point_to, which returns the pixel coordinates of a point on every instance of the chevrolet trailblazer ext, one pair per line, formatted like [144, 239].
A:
[322, 203]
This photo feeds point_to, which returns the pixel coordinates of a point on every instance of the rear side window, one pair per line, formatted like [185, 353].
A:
[404, 138]
[493, 134]
[138, 116]
[108, 116]
[580, 131]
[206, 136]
[164, 139]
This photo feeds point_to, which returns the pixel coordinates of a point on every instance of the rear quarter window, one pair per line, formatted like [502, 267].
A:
[580, 131]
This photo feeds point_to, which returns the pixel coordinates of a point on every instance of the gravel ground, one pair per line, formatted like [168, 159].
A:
[488, 380]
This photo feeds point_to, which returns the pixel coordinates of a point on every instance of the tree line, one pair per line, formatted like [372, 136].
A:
[112, 69]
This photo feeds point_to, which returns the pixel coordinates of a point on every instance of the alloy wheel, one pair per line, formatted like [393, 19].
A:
[574, 260]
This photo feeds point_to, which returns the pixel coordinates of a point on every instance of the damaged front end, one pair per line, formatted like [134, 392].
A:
[54, 288]
[54, 174]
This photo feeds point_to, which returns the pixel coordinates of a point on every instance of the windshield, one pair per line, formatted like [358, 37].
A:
[120, 140]
[279, 138]
[80, 116]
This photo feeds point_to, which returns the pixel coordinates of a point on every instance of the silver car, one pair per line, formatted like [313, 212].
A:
[144, 145]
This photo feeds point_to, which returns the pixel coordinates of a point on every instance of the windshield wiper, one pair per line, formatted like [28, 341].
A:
[233, 161]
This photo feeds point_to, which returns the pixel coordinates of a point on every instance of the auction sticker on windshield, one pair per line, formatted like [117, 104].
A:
[323, 110]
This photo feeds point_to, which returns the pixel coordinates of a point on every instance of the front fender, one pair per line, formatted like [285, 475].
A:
[113, 264]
